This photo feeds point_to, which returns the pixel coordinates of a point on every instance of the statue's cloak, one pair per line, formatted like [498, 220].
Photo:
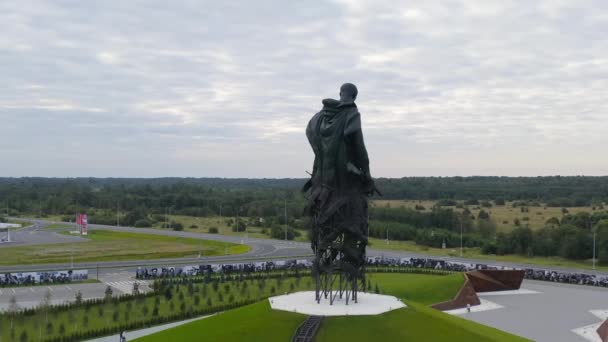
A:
[340, 181]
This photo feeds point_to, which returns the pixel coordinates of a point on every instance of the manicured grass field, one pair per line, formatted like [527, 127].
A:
[414, 323]
[421, 288]
[183, 298]
[417, 322]
[256, 322]
[105, 245]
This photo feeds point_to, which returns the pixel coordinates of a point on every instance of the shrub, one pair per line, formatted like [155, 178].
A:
[177, 226]
[142, 223]
[213, 230]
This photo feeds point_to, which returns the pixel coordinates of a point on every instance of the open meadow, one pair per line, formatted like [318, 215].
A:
[103, 245]
[503, 215]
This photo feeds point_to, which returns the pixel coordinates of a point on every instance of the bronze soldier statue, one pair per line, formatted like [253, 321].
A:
[337, 196]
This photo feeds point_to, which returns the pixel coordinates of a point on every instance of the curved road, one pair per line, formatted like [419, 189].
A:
[260, 249]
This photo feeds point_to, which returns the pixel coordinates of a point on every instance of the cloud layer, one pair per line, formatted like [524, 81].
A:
[192, 88]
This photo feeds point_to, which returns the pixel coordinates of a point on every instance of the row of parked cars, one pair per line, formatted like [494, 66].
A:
[428, 263]
[49, 277]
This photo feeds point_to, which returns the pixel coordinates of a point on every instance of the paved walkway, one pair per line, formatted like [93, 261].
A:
[131, 335]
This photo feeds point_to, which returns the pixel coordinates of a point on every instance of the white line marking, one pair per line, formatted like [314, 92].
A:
[50, 289]
[13, 291]
[32, 289]
[69, 288]
[0, 292]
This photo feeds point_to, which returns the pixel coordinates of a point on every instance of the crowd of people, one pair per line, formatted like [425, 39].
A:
[50, 277]
[428, 263]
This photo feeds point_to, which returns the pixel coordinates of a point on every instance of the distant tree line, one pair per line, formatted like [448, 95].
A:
[263, 202]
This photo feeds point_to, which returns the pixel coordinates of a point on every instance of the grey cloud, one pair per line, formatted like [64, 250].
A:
[226, 88]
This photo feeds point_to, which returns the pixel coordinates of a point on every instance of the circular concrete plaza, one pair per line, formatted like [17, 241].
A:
[304, 303]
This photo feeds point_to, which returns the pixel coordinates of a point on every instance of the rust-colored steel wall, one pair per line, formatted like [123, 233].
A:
[603, 331]
[496, 280]
[511, 278]
[483, 281]
[466, 295]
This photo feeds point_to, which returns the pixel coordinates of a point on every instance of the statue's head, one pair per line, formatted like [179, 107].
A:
[348, 92]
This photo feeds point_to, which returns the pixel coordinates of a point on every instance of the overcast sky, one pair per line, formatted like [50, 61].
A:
[226, 88]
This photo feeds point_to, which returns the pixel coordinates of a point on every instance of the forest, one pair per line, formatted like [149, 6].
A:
[274, 202]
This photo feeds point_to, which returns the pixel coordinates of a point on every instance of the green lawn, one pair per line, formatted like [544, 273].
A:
[183, 299]
[256, 322]
[417, 322]
[414, 323]
[103, 245]
[418, 287]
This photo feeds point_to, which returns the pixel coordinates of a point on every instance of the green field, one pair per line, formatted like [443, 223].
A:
[417, 322]
[202, 225]
[182, 299]
[103, 245]
[255, 322]
[503, 215]
[414, 323]
[417, 287]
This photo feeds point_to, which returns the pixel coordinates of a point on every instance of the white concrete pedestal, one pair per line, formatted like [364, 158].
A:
[304, 303]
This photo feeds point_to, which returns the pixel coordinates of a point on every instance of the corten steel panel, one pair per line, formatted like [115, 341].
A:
[496, 280]
[512, 279]
[603, 331]
[466, 295]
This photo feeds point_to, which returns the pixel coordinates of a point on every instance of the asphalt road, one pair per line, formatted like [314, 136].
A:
[36, 235]
[549, 315]
[260, 249]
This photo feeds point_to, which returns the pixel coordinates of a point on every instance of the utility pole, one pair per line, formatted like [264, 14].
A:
[594, 249]
[169, 222]
[589, 227]
[387, 234]
[285, 207]
[460, 221]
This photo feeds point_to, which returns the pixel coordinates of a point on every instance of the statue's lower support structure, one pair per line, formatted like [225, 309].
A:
[337, 277]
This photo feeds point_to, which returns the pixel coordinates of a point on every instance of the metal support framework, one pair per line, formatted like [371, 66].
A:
[332, 280]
